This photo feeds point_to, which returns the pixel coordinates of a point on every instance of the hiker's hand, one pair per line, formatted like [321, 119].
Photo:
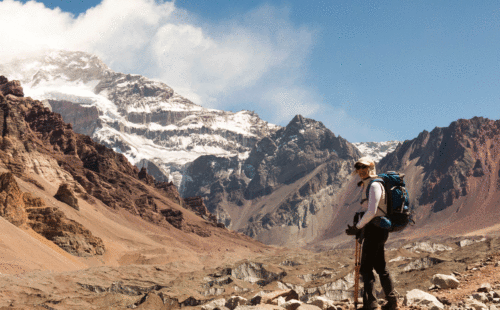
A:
[352, 230]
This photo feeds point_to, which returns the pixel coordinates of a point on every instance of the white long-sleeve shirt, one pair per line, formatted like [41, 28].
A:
[375, 205]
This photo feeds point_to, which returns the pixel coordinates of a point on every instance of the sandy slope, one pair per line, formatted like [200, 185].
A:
[128, 240]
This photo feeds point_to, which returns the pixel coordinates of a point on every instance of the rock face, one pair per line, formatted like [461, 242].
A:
[65, 194]
[12, 202]
[85, 120]
[33, 135]
[196, 205]
[452, 171]
[286, 185]
[10, 88]
[147, 121]
[67, 234]
[24, 210]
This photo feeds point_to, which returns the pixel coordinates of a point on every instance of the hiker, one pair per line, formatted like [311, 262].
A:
[374, 238]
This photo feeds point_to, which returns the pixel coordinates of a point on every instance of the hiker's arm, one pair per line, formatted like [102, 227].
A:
[373, 200]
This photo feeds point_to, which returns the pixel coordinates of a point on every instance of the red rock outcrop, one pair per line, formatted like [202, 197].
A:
[196, 205]
[65, 194]
[24, 210]
[30, 129]
[69, 235]
[453, 173]
[10, 88]
[11, 201]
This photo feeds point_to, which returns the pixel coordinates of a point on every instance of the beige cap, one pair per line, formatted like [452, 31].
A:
[367, 161]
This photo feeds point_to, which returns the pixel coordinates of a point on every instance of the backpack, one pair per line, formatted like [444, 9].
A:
[398, 214]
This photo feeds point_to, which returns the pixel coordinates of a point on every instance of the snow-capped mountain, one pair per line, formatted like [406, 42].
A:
[146, 120]
[376, 150]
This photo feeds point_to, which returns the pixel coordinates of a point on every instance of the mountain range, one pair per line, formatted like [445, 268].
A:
[289, 185]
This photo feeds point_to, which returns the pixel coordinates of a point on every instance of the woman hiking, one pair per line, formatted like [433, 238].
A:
[373, 253]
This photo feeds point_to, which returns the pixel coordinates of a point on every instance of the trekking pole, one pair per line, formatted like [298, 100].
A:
[357, 265]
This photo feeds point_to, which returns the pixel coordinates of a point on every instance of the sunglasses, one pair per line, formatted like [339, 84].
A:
[360, 166]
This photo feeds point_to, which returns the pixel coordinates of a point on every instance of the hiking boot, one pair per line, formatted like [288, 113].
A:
[392, 304]
[371, 306]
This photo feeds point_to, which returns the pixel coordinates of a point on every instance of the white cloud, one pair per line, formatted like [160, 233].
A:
[256, 61]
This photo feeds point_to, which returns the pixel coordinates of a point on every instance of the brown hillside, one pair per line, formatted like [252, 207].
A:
[138, 220]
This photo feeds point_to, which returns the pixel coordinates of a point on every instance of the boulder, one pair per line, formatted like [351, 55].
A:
[259, 307]
[482, 297]
[65, 194]
[321, 302]
[485, 288]
[475, 304]
[292, 304]
[235, 301]
[216, 304]
[445, 281]
[308, 307]
[287, 294]
[420, 298]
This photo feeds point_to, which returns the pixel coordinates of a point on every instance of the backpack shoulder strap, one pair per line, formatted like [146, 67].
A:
[368, 188]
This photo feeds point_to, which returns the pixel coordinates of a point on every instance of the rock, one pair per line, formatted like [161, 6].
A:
[196, 205]
[427, 247]
[286, 294]
[12, 206]
[235, 301]
[10, 88]
[259, 307]
[482, 297]
[477, 305]
[420, 298]
[493, 307]
[421, 263]
[445, 281]
[467, 242]
[145, 177]
[495, 294]
[292, 304]
[218, 303]
[497, 264]
[444, 301]
[256, 273]
[150, 301]
[308, 307]
[69, 235]
[485, 288]
[321, 302]
[280, 300]
[65, 194]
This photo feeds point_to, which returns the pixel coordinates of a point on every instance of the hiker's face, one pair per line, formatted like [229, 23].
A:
[363, 172]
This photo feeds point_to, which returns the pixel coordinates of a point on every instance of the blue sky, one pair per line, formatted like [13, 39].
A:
[369, 70]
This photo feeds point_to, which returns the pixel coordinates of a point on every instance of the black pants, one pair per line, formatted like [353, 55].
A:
[373, 257]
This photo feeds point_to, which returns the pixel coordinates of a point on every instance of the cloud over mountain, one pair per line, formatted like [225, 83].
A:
[254, 56]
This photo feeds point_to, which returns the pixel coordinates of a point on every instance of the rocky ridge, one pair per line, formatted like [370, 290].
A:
[36, 140]
[454, 173]
[284, 188]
